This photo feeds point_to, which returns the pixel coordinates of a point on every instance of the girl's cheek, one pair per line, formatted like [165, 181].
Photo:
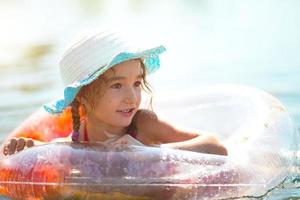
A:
[117, 95]
[138, 92]
[139, 98]
[114, 92]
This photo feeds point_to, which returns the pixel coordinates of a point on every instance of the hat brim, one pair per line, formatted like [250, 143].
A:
[151, 61]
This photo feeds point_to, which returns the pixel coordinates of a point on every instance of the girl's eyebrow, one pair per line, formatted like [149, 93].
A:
[117, 78]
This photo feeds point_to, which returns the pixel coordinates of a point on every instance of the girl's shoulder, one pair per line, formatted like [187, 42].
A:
[145, 115]
[143, 122]
[145, 119]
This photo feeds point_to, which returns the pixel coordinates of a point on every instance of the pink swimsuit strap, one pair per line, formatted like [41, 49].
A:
[85, 134]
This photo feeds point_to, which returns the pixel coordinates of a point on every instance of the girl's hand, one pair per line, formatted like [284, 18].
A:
[17, 144]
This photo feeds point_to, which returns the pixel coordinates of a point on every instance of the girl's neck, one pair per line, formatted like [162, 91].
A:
[102, 131]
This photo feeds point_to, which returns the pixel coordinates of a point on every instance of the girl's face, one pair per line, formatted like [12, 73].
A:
[119, 97]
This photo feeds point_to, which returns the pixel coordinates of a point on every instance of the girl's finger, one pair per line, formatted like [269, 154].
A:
[21, 144]
[29, 143]
[5, 150]
[12, 146]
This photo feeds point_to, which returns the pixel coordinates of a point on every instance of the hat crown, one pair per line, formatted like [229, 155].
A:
[90, 54]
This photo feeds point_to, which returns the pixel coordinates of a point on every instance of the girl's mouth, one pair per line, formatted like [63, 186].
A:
[126, 112]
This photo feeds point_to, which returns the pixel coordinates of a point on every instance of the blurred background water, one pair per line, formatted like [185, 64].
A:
[249, 42]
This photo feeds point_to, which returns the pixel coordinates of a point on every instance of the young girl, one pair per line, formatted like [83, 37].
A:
[104, 78]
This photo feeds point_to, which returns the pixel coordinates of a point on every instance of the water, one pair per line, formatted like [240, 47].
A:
[209, 42]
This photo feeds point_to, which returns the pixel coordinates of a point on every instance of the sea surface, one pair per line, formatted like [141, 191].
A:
[250, 42]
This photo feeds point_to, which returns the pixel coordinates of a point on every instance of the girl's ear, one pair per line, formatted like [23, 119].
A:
[81, 100]
[84, 104]
[78, 99]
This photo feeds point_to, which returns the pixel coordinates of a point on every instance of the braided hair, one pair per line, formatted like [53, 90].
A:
[76, 119]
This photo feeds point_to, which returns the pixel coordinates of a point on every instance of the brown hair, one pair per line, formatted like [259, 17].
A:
[92, 90]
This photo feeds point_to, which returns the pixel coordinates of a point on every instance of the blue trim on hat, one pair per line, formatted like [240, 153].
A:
[151, 62]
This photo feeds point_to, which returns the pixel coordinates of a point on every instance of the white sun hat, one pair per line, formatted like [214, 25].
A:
[90, 57]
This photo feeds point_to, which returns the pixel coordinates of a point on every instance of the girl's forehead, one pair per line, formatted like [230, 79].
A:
[130, 67]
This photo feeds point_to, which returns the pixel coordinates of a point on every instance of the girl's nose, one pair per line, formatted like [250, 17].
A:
[131, 96]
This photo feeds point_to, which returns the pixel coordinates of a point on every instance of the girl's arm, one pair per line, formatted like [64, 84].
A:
[161, 132]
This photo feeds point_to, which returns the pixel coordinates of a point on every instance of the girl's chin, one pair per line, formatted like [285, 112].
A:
[124, 123]
[121, 121]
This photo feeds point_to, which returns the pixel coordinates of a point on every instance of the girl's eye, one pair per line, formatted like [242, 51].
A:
[138, 83]
[116, 86]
